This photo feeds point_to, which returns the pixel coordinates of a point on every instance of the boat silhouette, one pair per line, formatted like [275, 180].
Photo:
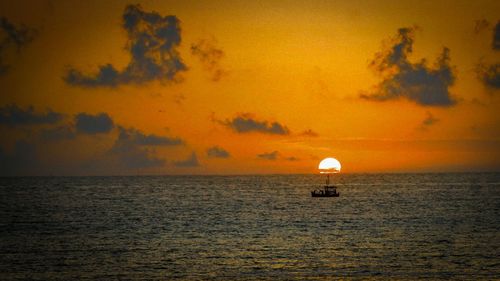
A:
[327, 191]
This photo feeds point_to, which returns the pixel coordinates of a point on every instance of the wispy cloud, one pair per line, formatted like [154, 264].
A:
[217, 152]
[309, 133]
[489, 75]
[246, 123]
[269, 155]
[414, 81]
[209, 55]
[428, 121]
[481, 25]
[13, 115]
[496, 37]
[152, 42]
[13, 36]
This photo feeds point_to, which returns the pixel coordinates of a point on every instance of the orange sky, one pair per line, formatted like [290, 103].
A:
[240, 87]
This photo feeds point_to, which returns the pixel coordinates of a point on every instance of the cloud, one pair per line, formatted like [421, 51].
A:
[292, 158]
[269, 156]
[309, 133]
[152, 42]
[130, 152]
[496, 37]
[13, 36]
[133, 156]
[191, 161]
[93, 124]
[22, 161]
[428, 121]
[12, 115]
[246, 123]
[489, 75]
[217, 152]
[136, 137]
[480, 25]
[209, 55]
[413, 81]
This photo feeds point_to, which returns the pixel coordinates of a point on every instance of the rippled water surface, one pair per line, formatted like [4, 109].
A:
[385, 226]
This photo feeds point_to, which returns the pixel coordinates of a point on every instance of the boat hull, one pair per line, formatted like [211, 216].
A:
[314, 194]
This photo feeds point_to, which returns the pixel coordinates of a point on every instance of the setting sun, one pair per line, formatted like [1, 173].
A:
[329, 165]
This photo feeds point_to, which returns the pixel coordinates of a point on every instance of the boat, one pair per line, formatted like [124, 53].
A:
[328, 166]
[328, 191]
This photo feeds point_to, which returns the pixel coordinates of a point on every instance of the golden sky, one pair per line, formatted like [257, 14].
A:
[243, 87]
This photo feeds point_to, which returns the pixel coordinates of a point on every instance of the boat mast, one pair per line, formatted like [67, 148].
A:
[327, 179]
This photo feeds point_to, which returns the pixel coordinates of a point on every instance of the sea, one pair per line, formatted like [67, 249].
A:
[437, 226]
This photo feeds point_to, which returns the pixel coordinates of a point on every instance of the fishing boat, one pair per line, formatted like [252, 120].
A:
[328, 166]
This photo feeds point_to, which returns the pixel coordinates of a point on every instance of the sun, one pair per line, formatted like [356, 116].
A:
[329, 165]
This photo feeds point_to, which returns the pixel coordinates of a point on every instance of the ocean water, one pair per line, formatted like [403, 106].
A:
[383, 226]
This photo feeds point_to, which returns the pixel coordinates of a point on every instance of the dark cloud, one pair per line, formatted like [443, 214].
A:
[12, 36]
[130, 155]
[93, 124]
[269, 156]
[309, 133]
[191, 161]
[209, 55]
[246, 123]
[414, 81]
[217, 152]
[489, 75]
[130, 149]
[292, 158]
[496, 37]
[12, 115]
[152, 42]
[136, 137]
[22, 161]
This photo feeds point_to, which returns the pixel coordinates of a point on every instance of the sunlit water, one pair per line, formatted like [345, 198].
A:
[393, 226]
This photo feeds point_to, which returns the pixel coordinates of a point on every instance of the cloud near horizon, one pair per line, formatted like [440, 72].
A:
[130, 149]
[414, 81]
[23, 161]
[246, 123]
[152, 42]
[190, 162]
[217, 152]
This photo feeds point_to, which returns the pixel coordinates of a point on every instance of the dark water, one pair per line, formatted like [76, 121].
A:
[392, 226]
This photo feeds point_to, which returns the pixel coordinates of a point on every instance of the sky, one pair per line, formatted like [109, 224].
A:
[248, 87]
